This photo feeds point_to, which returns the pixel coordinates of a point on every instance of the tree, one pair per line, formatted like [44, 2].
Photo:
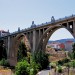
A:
[59, 69]
[22, 51]
[22, 68]
[34, 67]
[41, 58]
[73, 47]
[73, 50]
[3, 53]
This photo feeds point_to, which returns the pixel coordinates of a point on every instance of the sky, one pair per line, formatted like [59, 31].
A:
[21, 13]
[61, 33]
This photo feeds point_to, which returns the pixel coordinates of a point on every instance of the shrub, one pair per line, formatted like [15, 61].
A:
[59, 69]
[68, 65]
[28, 56]
[70, 55]
[72, 64]
[53, 65]
[34, 68]
[73, 50]
[22, 51]
[61, 62]
[4, 62]
[3, 52]
[22, 68]
[66, 60]
[41, 58]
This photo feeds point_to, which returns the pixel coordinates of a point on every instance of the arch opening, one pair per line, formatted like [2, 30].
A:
[57, 50]
[58, 43]
[21, 41]
[23, 38]
[61, 39]
[51, 31]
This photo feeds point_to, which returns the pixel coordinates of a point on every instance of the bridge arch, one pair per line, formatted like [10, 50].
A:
[47, 34]
[18, 39]
[13, 53]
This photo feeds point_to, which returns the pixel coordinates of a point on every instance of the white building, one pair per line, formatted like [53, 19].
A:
[3, 33]
[53, 45]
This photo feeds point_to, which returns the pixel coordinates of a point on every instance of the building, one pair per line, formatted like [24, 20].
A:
[62, 46]
[3, 33]
[56, 45]
[68, 45]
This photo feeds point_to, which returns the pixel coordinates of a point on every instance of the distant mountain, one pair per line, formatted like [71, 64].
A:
[62, 40]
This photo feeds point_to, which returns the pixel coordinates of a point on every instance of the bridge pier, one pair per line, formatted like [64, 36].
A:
[11, 53]
[8, 46]
[34, 41]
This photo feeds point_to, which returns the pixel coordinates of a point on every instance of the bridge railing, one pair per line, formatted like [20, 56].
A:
[43, 24]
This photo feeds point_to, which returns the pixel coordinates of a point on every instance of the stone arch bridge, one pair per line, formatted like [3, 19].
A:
[36, 37]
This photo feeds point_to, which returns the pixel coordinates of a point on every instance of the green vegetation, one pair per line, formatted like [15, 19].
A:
[59, 69]
[3, 53]
[22, 68]
[73, 52]
[71, 64]
[22, 51]
[41, 58]
[39, 61]
[30, 64]
[4, 62]
[53, 64]
[62, 62]
[34, 67]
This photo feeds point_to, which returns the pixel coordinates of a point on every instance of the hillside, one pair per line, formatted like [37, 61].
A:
[62, 40]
